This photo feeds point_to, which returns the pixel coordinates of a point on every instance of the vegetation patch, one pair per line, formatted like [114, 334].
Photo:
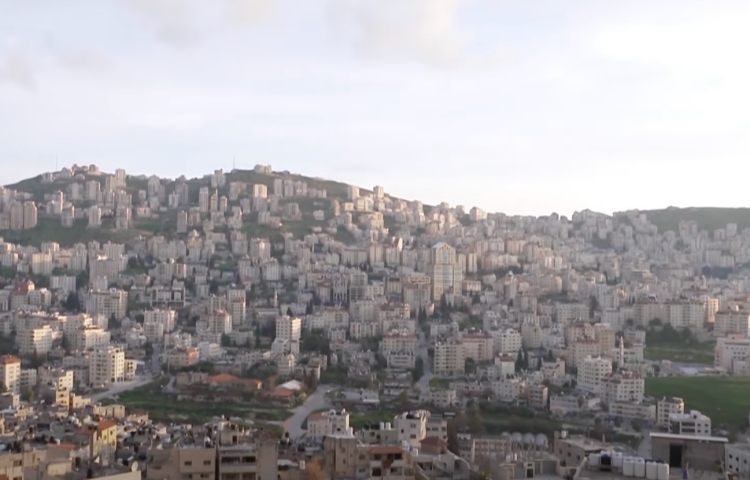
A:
[725, 399]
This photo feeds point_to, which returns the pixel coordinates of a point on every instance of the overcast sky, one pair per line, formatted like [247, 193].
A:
[520, 106]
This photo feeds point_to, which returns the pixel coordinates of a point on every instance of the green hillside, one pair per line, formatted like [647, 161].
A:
[707, 218]
[50, 230]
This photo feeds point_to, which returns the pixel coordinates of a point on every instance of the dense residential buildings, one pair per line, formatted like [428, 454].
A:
[255, 291]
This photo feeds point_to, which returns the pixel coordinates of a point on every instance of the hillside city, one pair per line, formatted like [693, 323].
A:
[263, 325]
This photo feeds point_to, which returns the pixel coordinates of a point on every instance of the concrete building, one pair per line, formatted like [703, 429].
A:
[289, 328]
[691, 423]
[622, 386]
[10, 373]
[591, 372]
[667, 406]
[106, 366]
[326, 423]
[449, 358]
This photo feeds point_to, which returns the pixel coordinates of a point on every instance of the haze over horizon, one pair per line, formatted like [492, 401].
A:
[505, 105]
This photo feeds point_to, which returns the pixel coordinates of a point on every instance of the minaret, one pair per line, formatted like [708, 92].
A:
[275, 299]
[621, 361]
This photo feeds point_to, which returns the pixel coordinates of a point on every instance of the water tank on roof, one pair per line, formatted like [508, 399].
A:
[640, 468]
[617, 460]
[529, 439]
[651, 470]
[662, 471]
[594, 459]
[628, 467]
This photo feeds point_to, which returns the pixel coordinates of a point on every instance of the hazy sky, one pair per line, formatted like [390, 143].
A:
[523, 106]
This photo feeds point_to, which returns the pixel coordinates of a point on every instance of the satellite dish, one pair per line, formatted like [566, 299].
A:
[134, 467]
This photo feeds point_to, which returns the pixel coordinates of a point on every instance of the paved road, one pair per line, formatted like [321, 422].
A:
[424, 345]
[316, 401]
[644, 449]
[121, 387]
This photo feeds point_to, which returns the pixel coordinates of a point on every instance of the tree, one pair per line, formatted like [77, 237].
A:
[519, 361]
[225, 340]
[73, 302]
[313, 470]
[550, 355]
[474, 419]
[289, 311]
[113, 323]
[28, 396]
[66, 345]
[593, 306]
[476, 299]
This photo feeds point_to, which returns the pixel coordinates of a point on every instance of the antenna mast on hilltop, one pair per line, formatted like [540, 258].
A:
[233, 162]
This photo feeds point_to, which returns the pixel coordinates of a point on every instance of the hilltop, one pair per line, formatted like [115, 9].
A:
[707, 218]
[49, 229]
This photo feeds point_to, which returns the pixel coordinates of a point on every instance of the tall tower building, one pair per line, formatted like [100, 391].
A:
[446, 272]
[203, 199]
[29, 215]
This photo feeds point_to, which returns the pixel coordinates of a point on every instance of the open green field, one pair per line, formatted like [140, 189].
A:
[725, 399]
[682, 355]
[164, 407]
[358, 420]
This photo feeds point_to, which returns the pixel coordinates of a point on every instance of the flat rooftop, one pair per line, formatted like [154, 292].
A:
[694, 438]
[674, 474]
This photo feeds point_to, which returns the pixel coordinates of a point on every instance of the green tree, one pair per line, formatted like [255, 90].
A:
[519, 361]
[225, 340]
[73, 302]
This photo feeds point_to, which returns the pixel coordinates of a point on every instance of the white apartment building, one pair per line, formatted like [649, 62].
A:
[35, 341]
[331, 422]
[734, 321]
[683, 315]
[507, 341]
[532, 335]
[238, 311]
[591, 371]
[112, 302]
[445, 271]
[508, 389]
[289, 328]
[209, 351]
[398, 342]
[449, 358]
[87, 338]
[411, 427]
[220, 322]
[10, 373]
[731, 353]
[737, 458]
[622, 387]
[478, 346]
[41, 264]
[165, 317]
[65, 283]
[55, 378]
[667, 406]
[154, 331]
[106, 366]
[692, 423]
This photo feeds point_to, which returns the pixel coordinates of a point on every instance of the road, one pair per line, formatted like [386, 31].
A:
[424, 345]
[156, 358]
[644, 449]
[316, 401]
[121, 387]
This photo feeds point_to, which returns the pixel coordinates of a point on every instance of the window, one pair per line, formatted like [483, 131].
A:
[188, 463]
[206, 462]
